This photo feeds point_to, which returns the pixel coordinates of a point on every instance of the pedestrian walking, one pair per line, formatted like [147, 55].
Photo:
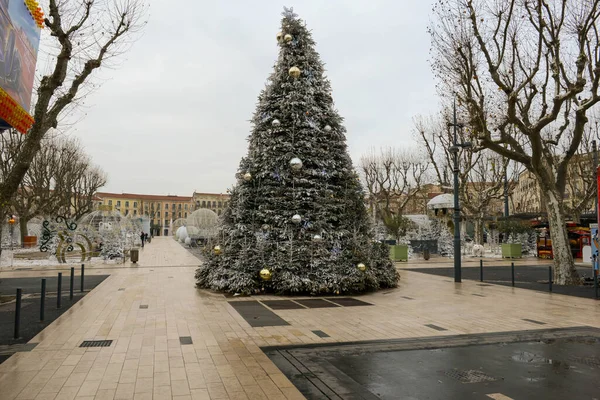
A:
[142, 237]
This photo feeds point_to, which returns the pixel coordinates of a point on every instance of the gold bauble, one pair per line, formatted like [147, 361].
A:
[265, 274]
[279, 36]
[361, 267]
[294, 72]
[287, 37]
[217, 250]
[247, 176]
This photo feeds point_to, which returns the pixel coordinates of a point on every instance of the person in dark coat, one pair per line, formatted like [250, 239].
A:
[142, 237]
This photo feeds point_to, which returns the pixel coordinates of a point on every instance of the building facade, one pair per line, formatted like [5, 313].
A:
[216, 202]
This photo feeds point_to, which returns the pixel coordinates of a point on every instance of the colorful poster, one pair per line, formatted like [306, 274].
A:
[19, 42]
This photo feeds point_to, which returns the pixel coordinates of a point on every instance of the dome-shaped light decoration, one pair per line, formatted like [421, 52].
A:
[294, 72]
[276, 123]
[327, 128]
[217, 250]
[296, 219]
[279, 36]
[265, 274]
[361, 267]
[317, 238]
[247, 176]
[296, 164]
[288, 37]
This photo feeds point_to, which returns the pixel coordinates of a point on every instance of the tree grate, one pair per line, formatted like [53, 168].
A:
[121, 289]
[143, 306]
[589, 361]
[469, 376]
[96, 343]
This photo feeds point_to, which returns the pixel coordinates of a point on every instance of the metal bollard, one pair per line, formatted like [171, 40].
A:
[58, 290]
[43, 299]
[480, 270]
[82, 274]
[550, 278]
[18, 313]
[512, 272]
[71, 283]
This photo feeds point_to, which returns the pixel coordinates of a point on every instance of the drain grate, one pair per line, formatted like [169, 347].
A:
[469, 376]
[533, 321]
[96, 343]
[589, 361]
[320, 334]
[437, 328]
[121, 289]
[143, 306]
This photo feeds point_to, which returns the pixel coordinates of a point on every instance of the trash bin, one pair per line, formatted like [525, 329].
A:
[149, 239]
[135, 255]
[426, 254]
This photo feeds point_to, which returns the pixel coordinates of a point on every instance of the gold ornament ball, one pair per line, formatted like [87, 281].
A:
[287, 37]
[361, 267]
[279, 36]
[294, 72]
[265, 274]
[217, 250]
[247, 176]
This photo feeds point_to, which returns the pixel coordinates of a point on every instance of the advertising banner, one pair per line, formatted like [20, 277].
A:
[19, 42]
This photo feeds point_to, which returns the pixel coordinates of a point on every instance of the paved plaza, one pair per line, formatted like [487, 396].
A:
[173, 341]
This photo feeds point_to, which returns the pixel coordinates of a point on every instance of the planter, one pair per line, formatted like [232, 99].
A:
[399, 252]
[29, 241]
[511, 250]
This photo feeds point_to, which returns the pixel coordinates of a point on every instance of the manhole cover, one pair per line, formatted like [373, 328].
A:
[469, 376]
[590, 361]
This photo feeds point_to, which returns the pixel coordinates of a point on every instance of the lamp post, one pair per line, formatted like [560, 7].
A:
[456, 146]
[11, 222]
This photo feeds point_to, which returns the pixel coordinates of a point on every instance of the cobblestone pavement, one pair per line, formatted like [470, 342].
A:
[147, 359]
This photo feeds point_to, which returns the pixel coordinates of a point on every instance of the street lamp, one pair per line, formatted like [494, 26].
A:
[454, 149]
[11, 222]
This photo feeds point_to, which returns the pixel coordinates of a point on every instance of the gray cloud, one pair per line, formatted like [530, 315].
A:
[173, 117]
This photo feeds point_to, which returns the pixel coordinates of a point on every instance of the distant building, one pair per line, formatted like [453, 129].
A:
[212, 201]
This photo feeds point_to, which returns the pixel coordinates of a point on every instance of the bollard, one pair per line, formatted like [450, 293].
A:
[43, 299]
[550, 278]
[480, 270]
[596, 282]
[71, 283]
[82, 273]
[58, 294]
[512, 272]
[18, 313]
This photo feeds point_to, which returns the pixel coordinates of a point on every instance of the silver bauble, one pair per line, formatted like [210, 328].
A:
[317, 238]
[279, 36]
[287, 37]
[327, 128]
[276, 123]
[296, 219]
[247, 176]
[296, 164]
[294, 72]
[265, 227]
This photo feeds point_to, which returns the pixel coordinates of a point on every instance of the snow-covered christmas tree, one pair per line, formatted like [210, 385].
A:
[297, 221]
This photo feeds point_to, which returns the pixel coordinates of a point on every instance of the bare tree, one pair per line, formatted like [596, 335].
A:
[528, 74]
[393, 179]
[86, 34]
[481, 173]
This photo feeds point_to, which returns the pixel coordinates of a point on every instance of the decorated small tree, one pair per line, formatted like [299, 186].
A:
[297, 221]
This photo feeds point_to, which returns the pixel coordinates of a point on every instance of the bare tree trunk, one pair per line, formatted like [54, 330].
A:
[478, 225]
[564, 266]
[23, 229]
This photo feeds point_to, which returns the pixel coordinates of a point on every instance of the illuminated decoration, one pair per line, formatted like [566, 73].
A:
[294, 72]
[12, 220]
[13, 113]
[361, 267]
[265, 274]
[217, 250]
[20, 24]
[36, 12]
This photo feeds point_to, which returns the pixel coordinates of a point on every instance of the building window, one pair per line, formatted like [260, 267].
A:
[134, 212]
[166, 222]
[219, 212]
[203, 203]
[110, 202]
[135, 204]
[158, 206]
[185, 215]
[180, 215]
[179, 206]
[214, 204]
[126, 204]
[118, 203]
[166, 214]
[225, 204]
[185, 206]
[158, 214]
[126, 212]
[220, 205]
[173, 206]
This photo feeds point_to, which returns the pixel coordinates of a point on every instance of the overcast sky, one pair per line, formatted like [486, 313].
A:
[173, 118]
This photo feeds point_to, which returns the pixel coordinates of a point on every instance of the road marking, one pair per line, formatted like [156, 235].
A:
[499, 396]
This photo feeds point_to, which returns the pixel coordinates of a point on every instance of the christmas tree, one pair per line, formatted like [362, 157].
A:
[297, 221]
